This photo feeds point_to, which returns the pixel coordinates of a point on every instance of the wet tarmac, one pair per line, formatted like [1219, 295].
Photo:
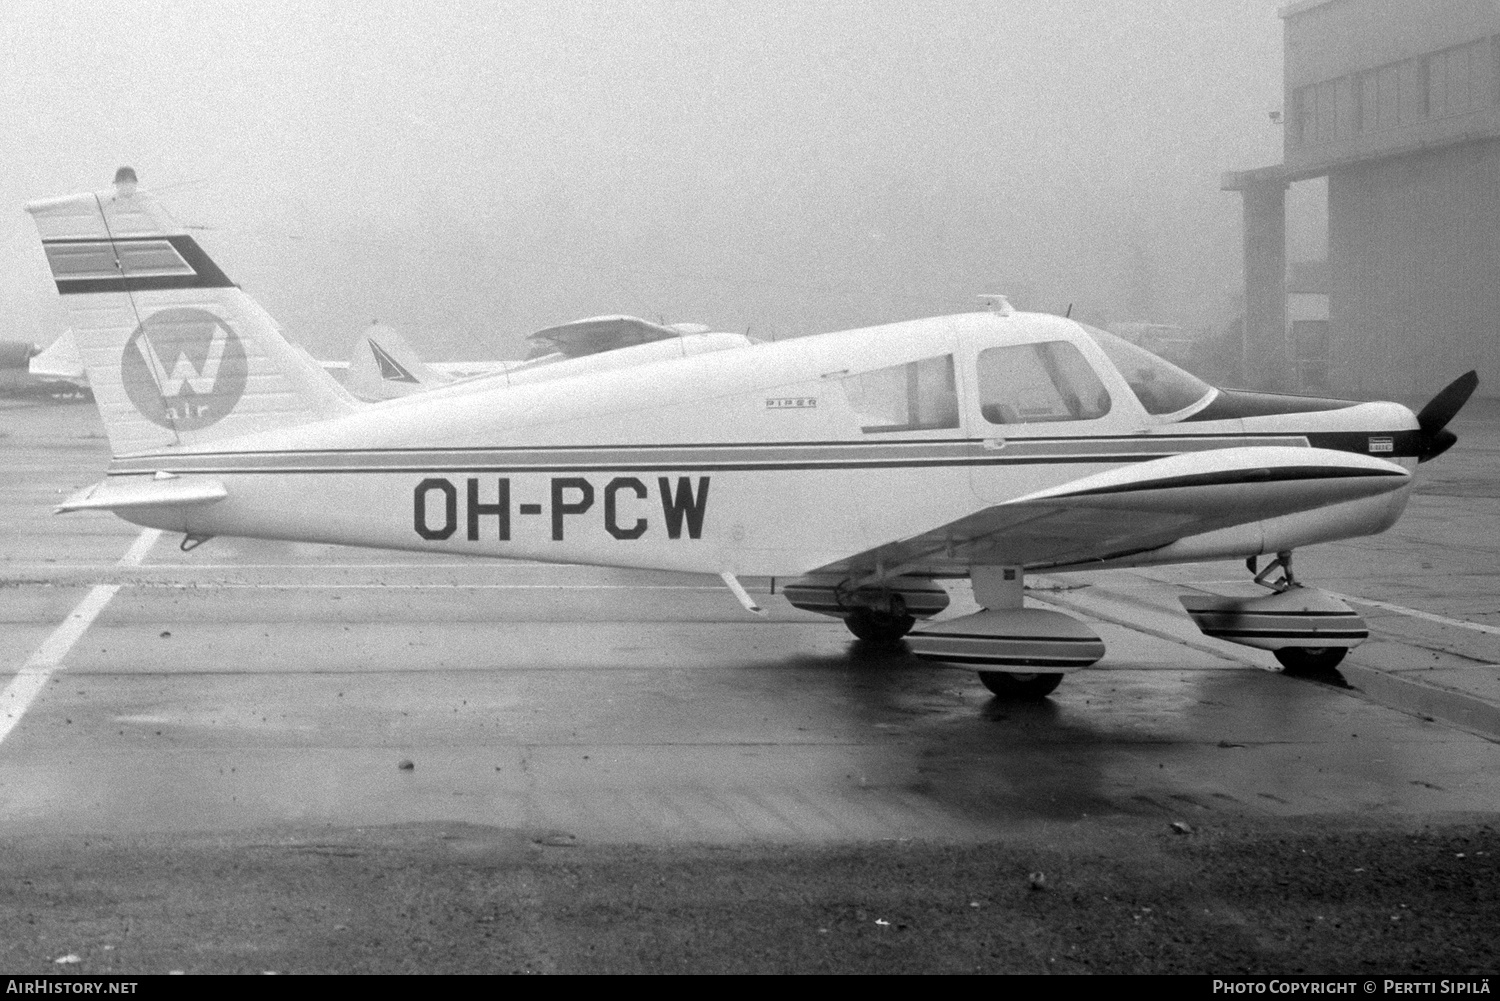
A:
[254, 685]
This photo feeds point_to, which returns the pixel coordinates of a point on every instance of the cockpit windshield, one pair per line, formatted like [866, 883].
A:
[1162, 387]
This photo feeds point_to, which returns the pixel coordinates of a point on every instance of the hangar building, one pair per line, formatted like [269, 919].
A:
[1397, 103]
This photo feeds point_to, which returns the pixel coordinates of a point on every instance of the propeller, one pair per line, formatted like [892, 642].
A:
[1433, 418]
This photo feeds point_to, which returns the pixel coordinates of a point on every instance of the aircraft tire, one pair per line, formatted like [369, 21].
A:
[1309, 659]
[1020, 686]
[878, 627]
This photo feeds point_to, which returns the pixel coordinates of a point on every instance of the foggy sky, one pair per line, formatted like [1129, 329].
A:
[470, 173]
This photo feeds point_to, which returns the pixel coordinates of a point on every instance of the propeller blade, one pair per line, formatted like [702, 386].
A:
[1437, 444]
[1441, 408]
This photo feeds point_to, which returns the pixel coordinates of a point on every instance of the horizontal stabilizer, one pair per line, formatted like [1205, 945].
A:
[122, 493]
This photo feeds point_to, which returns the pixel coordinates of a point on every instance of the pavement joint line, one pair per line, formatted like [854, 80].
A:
[1415, 613]
[1392, 689]
[210, 585]
[32, 678]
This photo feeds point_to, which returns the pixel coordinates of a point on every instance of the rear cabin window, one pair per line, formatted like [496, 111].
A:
[918, 396]
[1031, 383]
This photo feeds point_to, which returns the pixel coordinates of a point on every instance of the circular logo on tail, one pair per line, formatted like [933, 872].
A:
[184, 368]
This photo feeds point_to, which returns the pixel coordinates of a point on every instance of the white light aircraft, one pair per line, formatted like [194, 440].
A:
[855, 469]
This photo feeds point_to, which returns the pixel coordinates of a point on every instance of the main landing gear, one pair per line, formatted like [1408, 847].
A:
[1020, 686]
[876, 626]
[1307, 630]
[1018, 652]
[1295, 659]
[879, 614]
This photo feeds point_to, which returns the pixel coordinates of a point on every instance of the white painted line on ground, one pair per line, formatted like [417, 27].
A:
[29, 681]
[226, 585]
[1417, 613]
[469, 565]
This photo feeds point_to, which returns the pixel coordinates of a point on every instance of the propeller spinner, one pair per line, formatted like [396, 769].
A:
[1433, 418]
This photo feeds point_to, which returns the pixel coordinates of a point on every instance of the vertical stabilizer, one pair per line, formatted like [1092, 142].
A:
[175, 353]
[60, 360]
[383, 366]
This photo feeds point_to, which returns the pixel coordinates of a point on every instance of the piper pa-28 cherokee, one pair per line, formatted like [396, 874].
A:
[856, 468]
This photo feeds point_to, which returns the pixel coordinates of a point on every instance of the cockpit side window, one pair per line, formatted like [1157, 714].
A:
[1027, 383]
[1162, 387]
[918, 396]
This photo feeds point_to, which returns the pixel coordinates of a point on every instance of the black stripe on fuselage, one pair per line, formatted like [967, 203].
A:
[740, 457]
[1240, 477]
[663, 467]
[1237, 404]
[206, 274]
[1401, 444]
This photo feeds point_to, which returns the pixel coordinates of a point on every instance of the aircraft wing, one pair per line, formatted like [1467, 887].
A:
[598, 333]
[1137, 508]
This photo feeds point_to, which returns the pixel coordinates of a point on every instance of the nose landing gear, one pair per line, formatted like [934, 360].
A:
[1306, 629]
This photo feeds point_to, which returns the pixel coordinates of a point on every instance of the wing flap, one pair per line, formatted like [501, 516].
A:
[127, 493]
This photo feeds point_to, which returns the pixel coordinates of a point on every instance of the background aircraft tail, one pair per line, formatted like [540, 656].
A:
[382, 366]
[60, 360]
[177, 355]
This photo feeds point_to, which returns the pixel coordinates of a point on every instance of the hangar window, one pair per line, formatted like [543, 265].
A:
[1026, 383]
[917, 396]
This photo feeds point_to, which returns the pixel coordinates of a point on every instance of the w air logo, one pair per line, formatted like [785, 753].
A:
[184, 369]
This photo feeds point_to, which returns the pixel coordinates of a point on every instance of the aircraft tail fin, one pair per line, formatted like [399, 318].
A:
[176, 354]
[383, 366]
[60, 360]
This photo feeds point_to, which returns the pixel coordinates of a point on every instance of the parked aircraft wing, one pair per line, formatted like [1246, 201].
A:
[598, 333]
[1140, 507]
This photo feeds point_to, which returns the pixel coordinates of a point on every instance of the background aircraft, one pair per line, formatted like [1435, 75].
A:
[383, 366]
[54, 371]
[854, 469]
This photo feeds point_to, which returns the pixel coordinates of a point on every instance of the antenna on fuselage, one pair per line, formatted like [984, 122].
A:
[999, 304]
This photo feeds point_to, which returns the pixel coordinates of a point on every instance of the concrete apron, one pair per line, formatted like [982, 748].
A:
[1421, 676]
